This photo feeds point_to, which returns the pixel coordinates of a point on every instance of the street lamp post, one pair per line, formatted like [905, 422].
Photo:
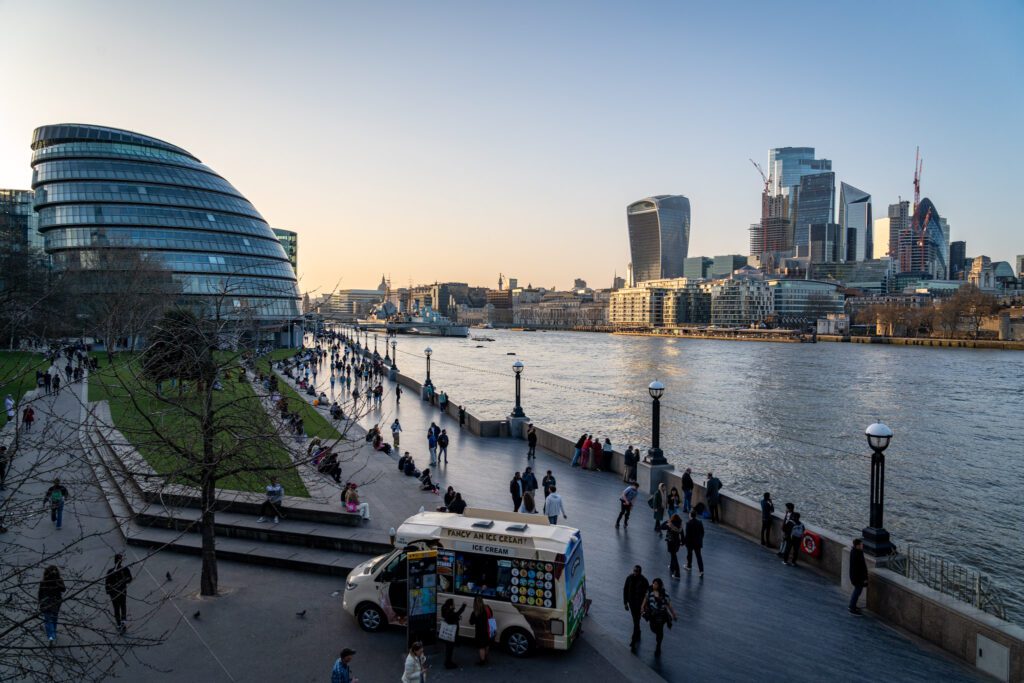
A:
[876, 538]
[394, 353]
[375, 343]
[387, 338]
[655, 456]
[517, 368]
[426, 352]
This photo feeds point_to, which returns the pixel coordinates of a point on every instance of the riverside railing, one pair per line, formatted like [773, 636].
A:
[950, 578]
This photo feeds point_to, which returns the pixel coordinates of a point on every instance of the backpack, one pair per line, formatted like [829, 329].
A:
[56, 497]
[797, 531]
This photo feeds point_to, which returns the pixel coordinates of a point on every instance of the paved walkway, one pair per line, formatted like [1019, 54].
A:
[751, 617]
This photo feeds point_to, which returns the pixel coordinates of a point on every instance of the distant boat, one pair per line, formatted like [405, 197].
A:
[479, 346]
[487, 339]
[511, 353]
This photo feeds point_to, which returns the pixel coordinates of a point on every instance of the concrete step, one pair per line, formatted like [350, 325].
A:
[289, 532]
[269, 554]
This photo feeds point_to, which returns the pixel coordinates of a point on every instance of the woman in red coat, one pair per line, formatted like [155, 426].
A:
[585, 451]
[595, 454]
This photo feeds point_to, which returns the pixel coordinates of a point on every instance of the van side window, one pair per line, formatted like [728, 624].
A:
[396, 569]
[484, 575]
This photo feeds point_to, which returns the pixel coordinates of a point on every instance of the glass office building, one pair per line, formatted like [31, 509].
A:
[98, 189]
[855, 223]
[290, 241]
[659, 236]
[19, 224]
[816, 205]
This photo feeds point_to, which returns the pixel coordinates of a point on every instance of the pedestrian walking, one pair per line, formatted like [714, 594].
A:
[674, 502]
[275, 497]
[578, 450]
[553, 506]
[398, 394]
[767, 510]
[629, 460]
[687, 490]
[432, 446]
[116, 584]
[657, 501]
[659, 612]
[634, 593]
[452, 617]
[529, 481]
[442, 445]
[674, 540]
[787, 526]
[415, 665]
[396, 431]
[858, 574]
[47, 380]
[28, 416]
[55, 498]
[796, 535]
[693, 539]
[342, 672]
[531, 441]
[713, 486]
[548, 482]
[56, 383]
[51, 595]
[626, 503]
[515, 487]
[480, 618]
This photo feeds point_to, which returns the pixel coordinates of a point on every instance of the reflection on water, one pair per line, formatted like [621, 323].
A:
[785, 418]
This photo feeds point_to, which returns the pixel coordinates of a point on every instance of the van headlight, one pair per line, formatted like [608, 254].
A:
[350, 586]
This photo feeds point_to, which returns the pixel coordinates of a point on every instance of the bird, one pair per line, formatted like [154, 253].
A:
[301, 614]
[168, 576]
[196, 615]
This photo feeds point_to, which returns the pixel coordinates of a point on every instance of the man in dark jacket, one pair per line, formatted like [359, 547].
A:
[531, 442]
[515, 487]
[767, 508]
[714, 487]
[687, 490]
[629, 459]
[694, 540]
[117, 582]
[634, 592]
[858, 574]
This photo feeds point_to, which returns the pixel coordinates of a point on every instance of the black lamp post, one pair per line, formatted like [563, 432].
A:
[375, 343]
[387, 338]
[655, 456]
[517, 368]
[394, 353]
[876, 538]
[426, 352]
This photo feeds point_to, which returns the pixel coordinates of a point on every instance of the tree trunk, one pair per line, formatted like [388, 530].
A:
[208, 580]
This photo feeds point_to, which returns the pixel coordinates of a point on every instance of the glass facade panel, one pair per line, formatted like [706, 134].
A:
[659, 236]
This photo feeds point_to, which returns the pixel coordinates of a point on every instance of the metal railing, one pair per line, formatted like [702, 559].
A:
[950, 578]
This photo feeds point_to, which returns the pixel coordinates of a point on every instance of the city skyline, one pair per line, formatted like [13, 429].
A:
[402, 143]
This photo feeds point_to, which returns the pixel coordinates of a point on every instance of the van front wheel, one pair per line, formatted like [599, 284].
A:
[518, 642]
[371, 618]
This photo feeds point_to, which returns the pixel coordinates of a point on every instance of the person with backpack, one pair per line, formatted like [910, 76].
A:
[767, 510]
[55, 497]
[442, 445]
[787, 526]
[658, 612]
[116, 585]
[796, 535]
[634, 593]
[481, 618]
[674, 540]
[694, 541]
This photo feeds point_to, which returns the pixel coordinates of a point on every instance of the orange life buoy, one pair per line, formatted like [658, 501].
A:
[811, 544]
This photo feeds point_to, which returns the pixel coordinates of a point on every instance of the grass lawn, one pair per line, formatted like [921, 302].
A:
[18, 375]
[244, 429]
[316, 424]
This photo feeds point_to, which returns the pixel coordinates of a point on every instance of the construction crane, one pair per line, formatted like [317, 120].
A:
[918, 167]
[767, 179]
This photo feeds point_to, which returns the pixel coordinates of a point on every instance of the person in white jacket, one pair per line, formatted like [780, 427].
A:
[553, 506]
[415, 665]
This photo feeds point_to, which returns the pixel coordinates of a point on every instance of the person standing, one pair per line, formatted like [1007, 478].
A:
[548, 482]
[626, 503]
[342, 673]
[55, 497]
[9, 406]
[595, 454]
[659, 611]
[674, 502]
[47, 380]
[673, 539]
[858, 574]
[116, 585]
[462, 417]
[275, 497]
[687, 490]
[767, 510]
[415, 665]
[796, 535]
[553, 506]
[658, 502]
[396, 431]
[694, 541]
[398, 394]
[51, 595]
[515, 487]
[714, 488]
[629, 460]
[453, 616]
[577, 452]
[432, 446]
[585, 451]
[28, 416]
[480, 619]
[634, 592]
[442, 445]
[531, 441]
[787, 526]
[529, 482]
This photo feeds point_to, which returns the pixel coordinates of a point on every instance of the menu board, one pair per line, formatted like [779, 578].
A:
[422, 620]
[533, 583]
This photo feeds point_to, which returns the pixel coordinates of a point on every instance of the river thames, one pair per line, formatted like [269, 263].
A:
[785, 418]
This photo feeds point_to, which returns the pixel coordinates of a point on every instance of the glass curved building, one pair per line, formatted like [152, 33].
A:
[99, 188]
[659, 236]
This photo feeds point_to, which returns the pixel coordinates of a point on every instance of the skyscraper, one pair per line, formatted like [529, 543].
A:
[289, 239]
[922, 245]
[816, 205]
[957, 260]
[659, 236]
[19, 223]
[899, 220]
[697, 267]
[880, 237]
[787, 165]
[855, 223]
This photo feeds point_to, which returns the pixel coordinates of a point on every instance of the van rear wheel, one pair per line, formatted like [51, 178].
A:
[518, 642]
[371, 618]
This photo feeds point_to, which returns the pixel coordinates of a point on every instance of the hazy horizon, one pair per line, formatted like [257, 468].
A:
[454, 141]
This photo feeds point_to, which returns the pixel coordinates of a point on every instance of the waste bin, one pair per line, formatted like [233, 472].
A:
[503, 429]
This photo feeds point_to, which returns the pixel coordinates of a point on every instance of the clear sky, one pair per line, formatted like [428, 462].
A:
[451, 141]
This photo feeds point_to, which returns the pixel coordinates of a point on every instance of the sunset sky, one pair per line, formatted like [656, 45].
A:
[454, 141]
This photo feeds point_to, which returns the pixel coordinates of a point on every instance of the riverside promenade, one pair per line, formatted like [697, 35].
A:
[750, 618]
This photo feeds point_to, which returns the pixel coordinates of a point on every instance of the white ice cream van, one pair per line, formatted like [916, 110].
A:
[529, 572]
